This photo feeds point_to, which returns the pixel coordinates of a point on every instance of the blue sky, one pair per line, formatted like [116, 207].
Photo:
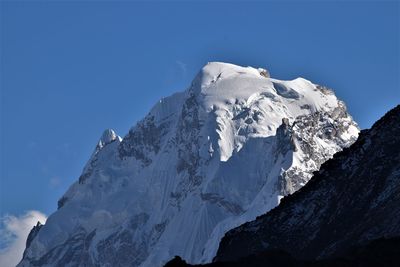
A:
[71, 70]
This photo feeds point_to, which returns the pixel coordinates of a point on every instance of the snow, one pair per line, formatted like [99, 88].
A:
[107, 137]
[233, 158]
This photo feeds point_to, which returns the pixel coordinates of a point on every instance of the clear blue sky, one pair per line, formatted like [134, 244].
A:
[70, 70]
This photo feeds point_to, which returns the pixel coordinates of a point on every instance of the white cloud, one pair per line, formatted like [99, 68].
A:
[13, 234]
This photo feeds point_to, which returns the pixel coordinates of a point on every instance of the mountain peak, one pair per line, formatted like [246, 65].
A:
[200, 163]
[212, 72]
[107, 137]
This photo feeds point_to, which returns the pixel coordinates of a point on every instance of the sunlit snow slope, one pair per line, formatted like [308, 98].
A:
[200, 163]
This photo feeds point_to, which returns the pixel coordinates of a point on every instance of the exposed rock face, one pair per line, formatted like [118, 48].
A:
[73, 251]
[142, 142]
[200, 163]
[354, 198]
[303, 135]
[34, 231]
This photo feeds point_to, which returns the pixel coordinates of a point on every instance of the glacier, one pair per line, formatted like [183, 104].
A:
[200, 163]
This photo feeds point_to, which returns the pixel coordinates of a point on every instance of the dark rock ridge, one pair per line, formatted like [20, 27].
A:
[377, 253]
[354, 198]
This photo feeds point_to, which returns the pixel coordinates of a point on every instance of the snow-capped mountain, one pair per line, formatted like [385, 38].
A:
[202, 162]
[351, 202]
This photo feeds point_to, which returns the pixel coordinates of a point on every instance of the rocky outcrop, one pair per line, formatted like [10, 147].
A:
[32, 234]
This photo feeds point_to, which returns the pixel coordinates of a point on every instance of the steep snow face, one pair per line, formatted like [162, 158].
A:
[200, 163]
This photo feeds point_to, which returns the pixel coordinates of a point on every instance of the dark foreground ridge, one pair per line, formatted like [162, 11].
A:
[347, 215]
[380, 252]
